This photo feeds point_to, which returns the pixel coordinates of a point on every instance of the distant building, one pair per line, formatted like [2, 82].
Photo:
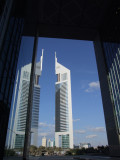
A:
[76, 147]
[44, 142]
[84, 145]
[50, 143]
[54, 142]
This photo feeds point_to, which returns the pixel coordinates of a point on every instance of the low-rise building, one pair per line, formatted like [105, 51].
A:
[84, 145]
[76, 147]
[50, 143]
[44, 142]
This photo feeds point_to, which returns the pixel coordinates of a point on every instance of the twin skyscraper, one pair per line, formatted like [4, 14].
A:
[63, 107]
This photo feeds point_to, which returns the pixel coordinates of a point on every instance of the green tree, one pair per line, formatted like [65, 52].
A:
[33, 150]
[10, 152]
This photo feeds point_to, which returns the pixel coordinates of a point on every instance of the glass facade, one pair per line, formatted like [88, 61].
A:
[10, 39]
[21, 110]
[5, 6]
[8, 59]
[35, 110]
[19, 143]
[11, 132]
[35, 115]
[65, 141]
[112, 56]
[62, 107]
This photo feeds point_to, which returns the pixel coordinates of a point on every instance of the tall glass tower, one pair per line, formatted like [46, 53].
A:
[63, 107]
[17, 140]
[108, 56]
[112, 56]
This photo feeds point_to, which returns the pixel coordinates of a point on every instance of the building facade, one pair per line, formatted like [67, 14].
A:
[11, 28]
[84, 145]
[112, 56]
[18, 134]
[63, 107]
[50, 143]
[107, 56]
[44, 142]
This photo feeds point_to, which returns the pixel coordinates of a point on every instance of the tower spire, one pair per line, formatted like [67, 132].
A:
[55, 61]
[41, 59]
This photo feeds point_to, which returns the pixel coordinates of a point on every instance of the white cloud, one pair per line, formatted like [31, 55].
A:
[75, 120]
[93, 86]
[43, 134]
[80, 131]
[48, 133]
[97, 129]
[43, 124]
[91, 136]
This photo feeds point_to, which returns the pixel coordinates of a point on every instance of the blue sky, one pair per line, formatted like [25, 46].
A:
[79, 57]
[88, 117]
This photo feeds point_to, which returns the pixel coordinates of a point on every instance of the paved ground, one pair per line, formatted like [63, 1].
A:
[82, 157]
[87, 157]
[42, 158]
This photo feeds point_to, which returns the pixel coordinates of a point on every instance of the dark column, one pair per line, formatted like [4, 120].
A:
[30, 98]
[10, 39]
[112, 134]
[4, 19]
[4, 116]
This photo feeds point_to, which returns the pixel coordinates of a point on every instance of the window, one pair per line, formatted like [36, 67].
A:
[64, 76]
[26, 75]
